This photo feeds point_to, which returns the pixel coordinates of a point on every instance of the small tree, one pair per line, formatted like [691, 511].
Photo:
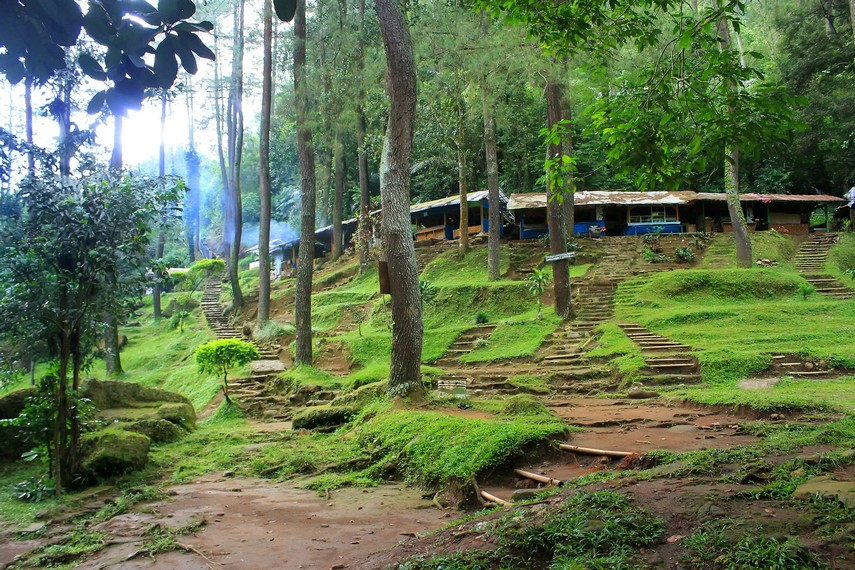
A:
[537, 283]
[217, 356]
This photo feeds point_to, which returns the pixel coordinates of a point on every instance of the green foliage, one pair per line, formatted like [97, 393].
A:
[651, 256]
[427, 292]
[482, 318]
[684, 255]
[323, 416]
[34, 490]
[600, 529]
[713, 543]
[218, 356]
[529, 383]
[537, 283]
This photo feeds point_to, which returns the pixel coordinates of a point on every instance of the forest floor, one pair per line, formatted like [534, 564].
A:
[719, 472]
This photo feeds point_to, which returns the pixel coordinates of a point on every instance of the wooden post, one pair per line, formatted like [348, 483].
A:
[827, 224]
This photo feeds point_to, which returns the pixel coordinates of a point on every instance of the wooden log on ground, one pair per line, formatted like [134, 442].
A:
[539, 478]
[494, 499]
[592, 451]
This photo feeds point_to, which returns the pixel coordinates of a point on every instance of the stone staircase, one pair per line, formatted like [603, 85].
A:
[666, 362]
[810, 262]
[251, 392]
[793, 365]
[464, 344]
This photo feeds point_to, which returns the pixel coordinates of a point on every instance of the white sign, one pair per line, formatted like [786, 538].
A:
[559, 256]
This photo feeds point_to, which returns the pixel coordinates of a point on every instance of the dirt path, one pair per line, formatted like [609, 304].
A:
[250, 523]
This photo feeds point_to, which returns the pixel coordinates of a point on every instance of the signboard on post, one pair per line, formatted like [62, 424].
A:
[560, 256]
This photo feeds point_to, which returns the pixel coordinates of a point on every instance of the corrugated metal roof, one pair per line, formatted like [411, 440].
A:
[625, 198]
[449, 201]
[752, 197]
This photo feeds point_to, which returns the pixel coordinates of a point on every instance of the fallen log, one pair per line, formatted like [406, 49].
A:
[592, 451]
[495, 499]
[539, 478]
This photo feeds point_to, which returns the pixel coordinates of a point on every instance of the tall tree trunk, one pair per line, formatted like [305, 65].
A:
[264, 170]
[462, 176]
[192, 197]
[303, 296]
[852, 16]
[554, 210]
[338, 196]
[405, 367]
[492, 160]
[161, 236]
[744, 256]
[112, 358]
[66, 150]
[235, 150]
[221, 153]
[361, 155]
[28, 124]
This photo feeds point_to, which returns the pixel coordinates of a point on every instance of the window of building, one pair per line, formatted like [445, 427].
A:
[652, 214]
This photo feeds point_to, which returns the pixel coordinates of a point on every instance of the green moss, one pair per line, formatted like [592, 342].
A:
[432, 448]
[529, 383]
[515, 339]
[113, 452]
[158, 431]
[304, 375]
[323, 416]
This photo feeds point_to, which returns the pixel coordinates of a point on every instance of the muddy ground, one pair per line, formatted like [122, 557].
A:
[230, 522]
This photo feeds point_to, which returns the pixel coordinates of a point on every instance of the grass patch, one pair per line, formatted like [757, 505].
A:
[721, 252]
[789, 394]
[842, 257]
[736, 319]
[514, 339]
[600, 529]
[529, 383]
[451, 269]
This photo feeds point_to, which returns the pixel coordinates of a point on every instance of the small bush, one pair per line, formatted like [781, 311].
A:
[481, 318]
[684, 255]
[33, 490]
[806, 290]
[480, 342]
[271, 330]
[650, 256]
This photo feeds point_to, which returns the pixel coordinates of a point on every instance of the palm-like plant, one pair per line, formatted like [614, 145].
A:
[537, 283]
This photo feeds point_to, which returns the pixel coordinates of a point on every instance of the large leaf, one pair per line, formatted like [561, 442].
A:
[165, 65]
[97, 24]
[204, 26]
[195, 44]
[96, 103]
[184, 53]
[91, 67]
[285, 9]
[172, 11]
[143, 10]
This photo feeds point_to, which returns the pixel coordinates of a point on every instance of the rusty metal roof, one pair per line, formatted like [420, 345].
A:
[752, 197]
[627, 198]
[449, 201]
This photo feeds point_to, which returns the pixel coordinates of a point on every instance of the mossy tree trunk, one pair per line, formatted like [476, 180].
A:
[405, 366]
[264, 170]
[303, 296]
[554, 210]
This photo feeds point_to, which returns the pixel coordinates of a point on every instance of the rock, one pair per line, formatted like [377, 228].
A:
[16, 440]
[321, 416]
[710, 510]
[228, 473]
[106, 395]
[524, 494]
[178, 413]
[158, 430]
[113, 452]
[828, 487]
[640, 394]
